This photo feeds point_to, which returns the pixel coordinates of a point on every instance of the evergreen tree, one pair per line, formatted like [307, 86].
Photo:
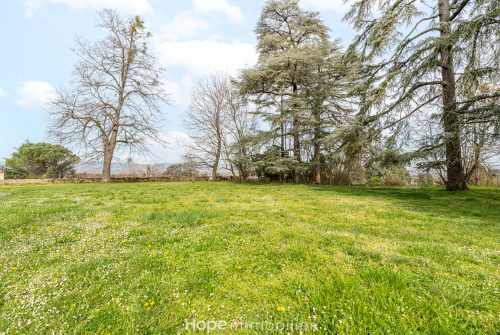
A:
[421, 57]
[292, 83]
[36, 160]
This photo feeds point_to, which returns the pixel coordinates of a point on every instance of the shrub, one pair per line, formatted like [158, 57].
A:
[375, 180]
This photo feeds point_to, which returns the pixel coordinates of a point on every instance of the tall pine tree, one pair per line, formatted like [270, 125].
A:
[288, 38]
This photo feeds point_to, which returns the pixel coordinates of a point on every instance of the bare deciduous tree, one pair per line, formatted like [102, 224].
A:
[206, 120]
[241, 125]
[117, 94]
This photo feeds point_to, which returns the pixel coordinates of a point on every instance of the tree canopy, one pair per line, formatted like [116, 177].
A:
[295, 86]
[428, 58]
[37, 160]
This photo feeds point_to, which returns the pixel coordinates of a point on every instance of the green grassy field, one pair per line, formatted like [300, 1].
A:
[143, 258]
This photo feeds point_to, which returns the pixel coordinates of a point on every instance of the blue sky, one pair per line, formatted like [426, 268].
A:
[190, 38]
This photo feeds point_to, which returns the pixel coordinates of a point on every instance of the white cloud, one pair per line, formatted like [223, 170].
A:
[2, 93]
[184, 25]
[173, 89]
[180, 93]
[202, 57]
[32, 6]
[188, 81]
[124, 6]
[189, 24]
[337, 6]
[175, 148]
[210, 6]
[35, 94]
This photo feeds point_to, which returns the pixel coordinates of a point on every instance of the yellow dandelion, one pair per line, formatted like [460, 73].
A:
[149, 308]
[146, 304]
[73, 305]
[152, 302]
[239, 267]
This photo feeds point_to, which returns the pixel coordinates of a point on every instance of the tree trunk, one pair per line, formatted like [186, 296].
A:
[455, 172]
[214, 170]
[244, 170]
[218, 151]
[296, 137]
[106, 168]
[477, 153]
[317, 160]
[296, 148]
[317, 151]
[215, 167]
[282, 136]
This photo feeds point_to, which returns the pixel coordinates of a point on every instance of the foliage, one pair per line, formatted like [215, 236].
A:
[36, 160]
[427, 57]
[480, 147]
[10, 174]
[383, 159]
[272, 166]
[295, 85]
[51, 172]
[181, 170]
[375, 180]
[397, 175]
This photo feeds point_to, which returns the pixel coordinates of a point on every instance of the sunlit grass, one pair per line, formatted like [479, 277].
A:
[143, 258]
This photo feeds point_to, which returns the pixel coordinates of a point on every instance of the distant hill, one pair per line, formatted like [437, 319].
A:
[116, 168]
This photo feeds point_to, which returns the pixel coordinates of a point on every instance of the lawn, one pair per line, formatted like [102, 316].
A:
[143, 258]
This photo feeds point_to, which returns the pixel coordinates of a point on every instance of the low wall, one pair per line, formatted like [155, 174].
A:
[24, 181]
[98, 180]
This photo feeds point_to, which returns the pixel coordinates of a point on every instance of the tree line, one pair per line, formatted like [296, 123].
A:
[418, 85]
[415, 87]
